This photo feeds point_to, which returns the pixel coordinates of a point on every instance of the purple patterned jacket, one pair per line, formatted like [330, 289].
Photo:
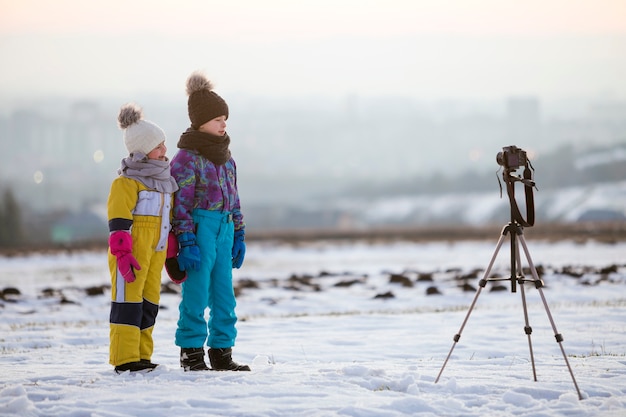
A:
[203, 185]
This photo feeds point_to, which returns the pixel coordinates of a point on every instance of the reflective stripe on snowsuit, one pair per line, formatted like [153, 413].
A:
[209, 287]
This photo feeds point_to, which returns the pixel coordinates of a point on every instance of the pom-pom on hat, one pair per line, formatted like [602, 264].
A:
[203, 104]
[139, 135]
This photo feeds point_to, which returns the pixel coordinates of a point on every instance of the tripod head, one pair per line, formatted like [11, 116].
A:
[511, 158]
[510, 177]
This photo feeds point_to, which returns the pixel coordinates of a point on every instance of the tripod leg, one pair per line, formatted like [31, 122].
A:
[481, 284]
[527, 329]
[557, 335]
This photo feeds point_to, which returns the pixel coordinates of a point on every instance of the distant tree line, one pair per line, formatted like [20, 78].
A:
[11, 228]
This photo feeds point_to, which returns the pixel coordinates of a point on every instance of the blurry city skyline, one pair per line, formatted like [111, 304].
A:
[65, 153]
[428, 163]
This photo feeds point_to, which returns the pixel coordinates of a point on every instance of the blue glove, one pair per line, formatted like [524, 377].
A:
[239, 248]
[189, 254]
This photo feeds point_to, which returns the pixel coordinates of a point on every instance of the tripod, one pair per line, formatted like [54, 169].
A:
[515, 230]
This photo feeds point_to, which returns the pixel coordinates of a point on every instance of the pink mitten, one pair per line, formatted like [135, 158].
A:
[172, 246]
[171, 261]
[121, 244]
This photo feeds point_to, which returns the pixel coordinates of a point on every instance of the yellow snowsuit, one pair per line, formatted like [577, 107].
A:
[134, 306]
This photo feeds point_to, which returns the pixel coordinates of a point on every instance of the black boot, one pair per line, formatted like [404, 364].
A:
[148, 362]
[221, 360]
[192, 359]
[139, 366]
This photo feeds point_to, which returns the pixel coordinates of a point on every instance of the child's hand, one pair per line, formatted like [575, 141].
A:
[239, 248]
[125, 265]
[121, 244]
[189, 258]
[189, 254]
[177, 275]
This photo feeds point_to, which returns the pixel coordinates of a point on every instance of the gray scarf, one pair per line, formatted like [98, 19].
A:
[152, 173]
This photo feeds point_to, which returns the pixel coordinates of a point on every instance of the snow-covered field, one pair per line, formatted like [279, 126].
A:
[327, 332]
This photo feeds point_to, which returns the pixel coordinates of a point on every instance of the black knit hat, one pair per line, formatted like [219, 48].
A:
[203, 104]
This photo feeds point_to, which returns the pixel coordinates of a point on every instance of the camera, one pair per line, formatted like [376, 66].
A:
[512, 157]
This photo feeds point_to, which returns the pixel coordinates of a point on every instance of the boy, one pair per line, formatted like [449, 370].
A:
[209, 227]
[139, 222]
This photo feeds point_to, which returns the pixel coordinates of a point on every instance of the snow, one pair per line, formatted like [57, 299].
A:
[321, 347]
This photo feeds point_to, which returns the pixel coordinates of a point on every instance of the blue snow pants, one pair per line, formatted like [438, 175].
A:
[211, 286]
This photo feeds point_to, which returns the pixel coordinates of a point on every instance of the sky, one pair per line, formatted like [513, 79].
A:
[321, 343]
[420, 48]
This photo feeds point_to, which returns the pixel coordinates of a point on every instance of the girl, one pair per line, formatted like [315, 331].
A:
[139, 223]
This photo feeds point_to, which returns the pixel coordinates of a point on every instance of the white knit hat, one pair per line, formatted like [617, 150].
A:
[139, 135]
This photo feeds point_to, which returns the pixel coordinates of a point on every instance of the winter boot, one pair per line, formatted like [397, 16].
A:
[148, 363]
[192, 359]
[139, 366]
[221, 360]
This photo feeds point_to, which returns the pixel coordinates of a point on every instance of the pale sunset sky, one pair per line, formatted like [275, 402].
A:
[429, 49]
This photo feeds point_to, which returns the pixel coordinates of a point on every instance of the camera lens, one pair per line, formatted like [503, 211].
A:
[500, 158]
